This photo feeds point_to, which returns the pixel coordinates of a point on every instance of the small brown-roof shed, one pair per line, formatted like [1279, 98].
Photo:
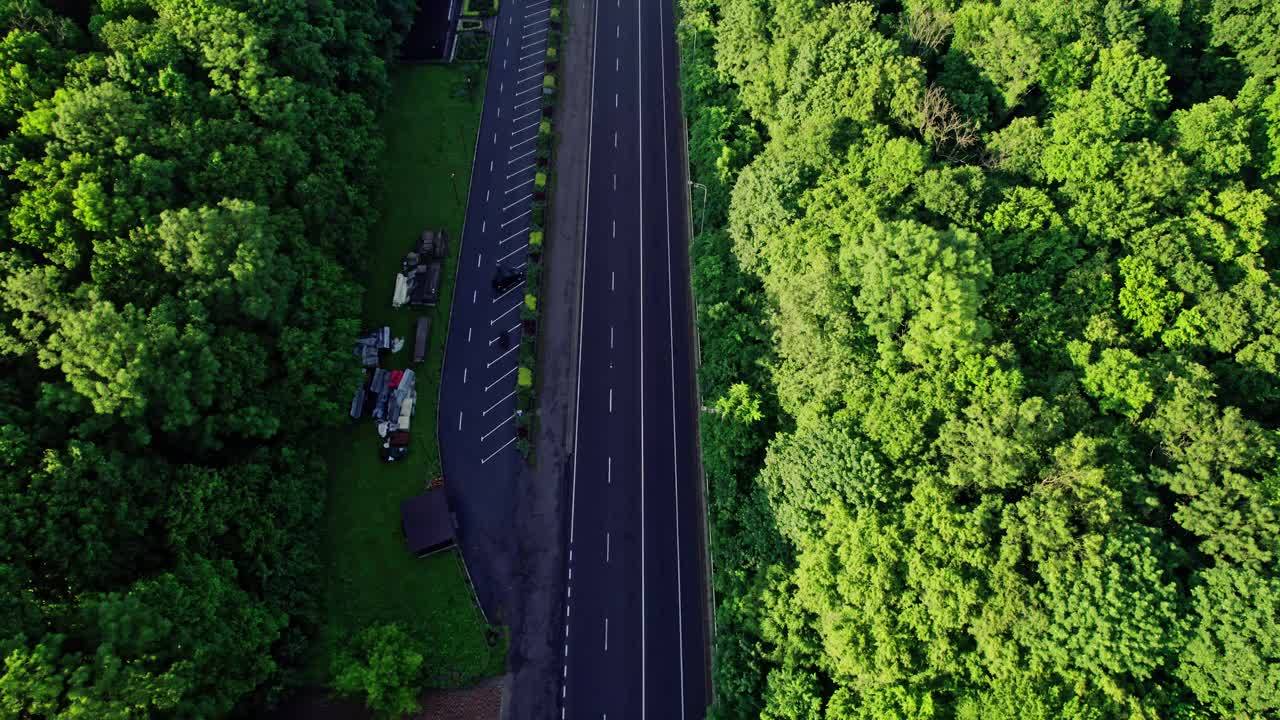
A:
[427, 523]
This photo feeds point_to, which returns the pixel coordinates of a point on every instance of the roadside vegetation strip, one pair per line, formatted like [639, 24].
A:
[530, 313]
[371, 578]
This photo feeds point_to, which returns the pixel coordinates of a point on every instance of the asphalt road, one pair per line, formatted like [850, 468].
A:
[484, 474]
[635, 644]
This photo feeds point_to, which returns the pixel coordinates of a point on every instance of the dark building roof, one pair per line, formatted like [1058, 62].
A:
[427, 523]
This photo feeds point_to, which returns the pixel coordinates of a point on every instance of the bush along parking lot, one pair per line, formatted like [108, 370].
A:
[543, 183]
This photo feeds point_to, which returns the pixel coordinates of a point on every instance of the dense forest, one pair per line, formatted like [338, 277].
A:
[186, 187]
[989, 324]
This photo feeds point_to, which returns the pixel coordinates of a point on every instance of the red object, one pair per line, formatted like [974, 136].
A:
[399, 438]
[396, 376]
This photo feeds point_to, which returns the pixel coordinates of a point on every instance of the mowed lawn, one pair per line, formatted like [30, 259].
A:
[430, 132]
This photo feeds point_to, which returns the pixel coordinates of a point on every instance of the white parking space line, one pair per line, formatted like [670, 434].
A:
[495, 452]
[513, 161]
[517, 202]
[504, 376]
[526, 91]
[522, 170]
[529, 139]
[512, 237]
[506, 312]
[526, 57]
[525, 102]
[537, 22]
[518, 186]
[535, 43]
[529, 66]
[497, 427]
[513, 252]
[518, 119]
[523, 214]
[504, 399]
[535, 76]
[537, 12]
[535, 32]
[509, 290]
[504, 332]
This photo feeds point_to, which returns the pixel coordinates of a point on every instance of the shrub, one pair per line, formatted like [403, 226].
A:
[540, 180]
[535, 242]
[524, 376]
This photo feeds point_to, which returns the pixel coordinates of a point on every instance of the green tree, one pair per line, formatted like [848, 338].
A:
[383, 669]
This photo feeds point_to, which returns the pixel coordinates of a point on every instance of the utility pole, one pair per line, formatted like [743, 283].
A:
[703, 224]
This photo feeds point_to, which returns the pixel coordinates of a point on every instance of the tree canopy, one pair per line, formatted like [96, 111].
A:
[995, 279]
[186, 187]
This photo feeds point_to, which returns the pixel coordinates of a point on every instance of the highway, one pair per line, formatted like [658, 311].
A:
[630, 639]
[635, 627]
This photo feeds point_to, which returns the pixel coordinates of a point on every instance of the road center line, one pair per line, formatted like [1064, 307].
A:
[459, 419]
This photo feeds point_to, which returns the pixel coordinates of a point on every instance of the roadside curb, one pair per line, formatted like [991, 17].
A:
[708, 563]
